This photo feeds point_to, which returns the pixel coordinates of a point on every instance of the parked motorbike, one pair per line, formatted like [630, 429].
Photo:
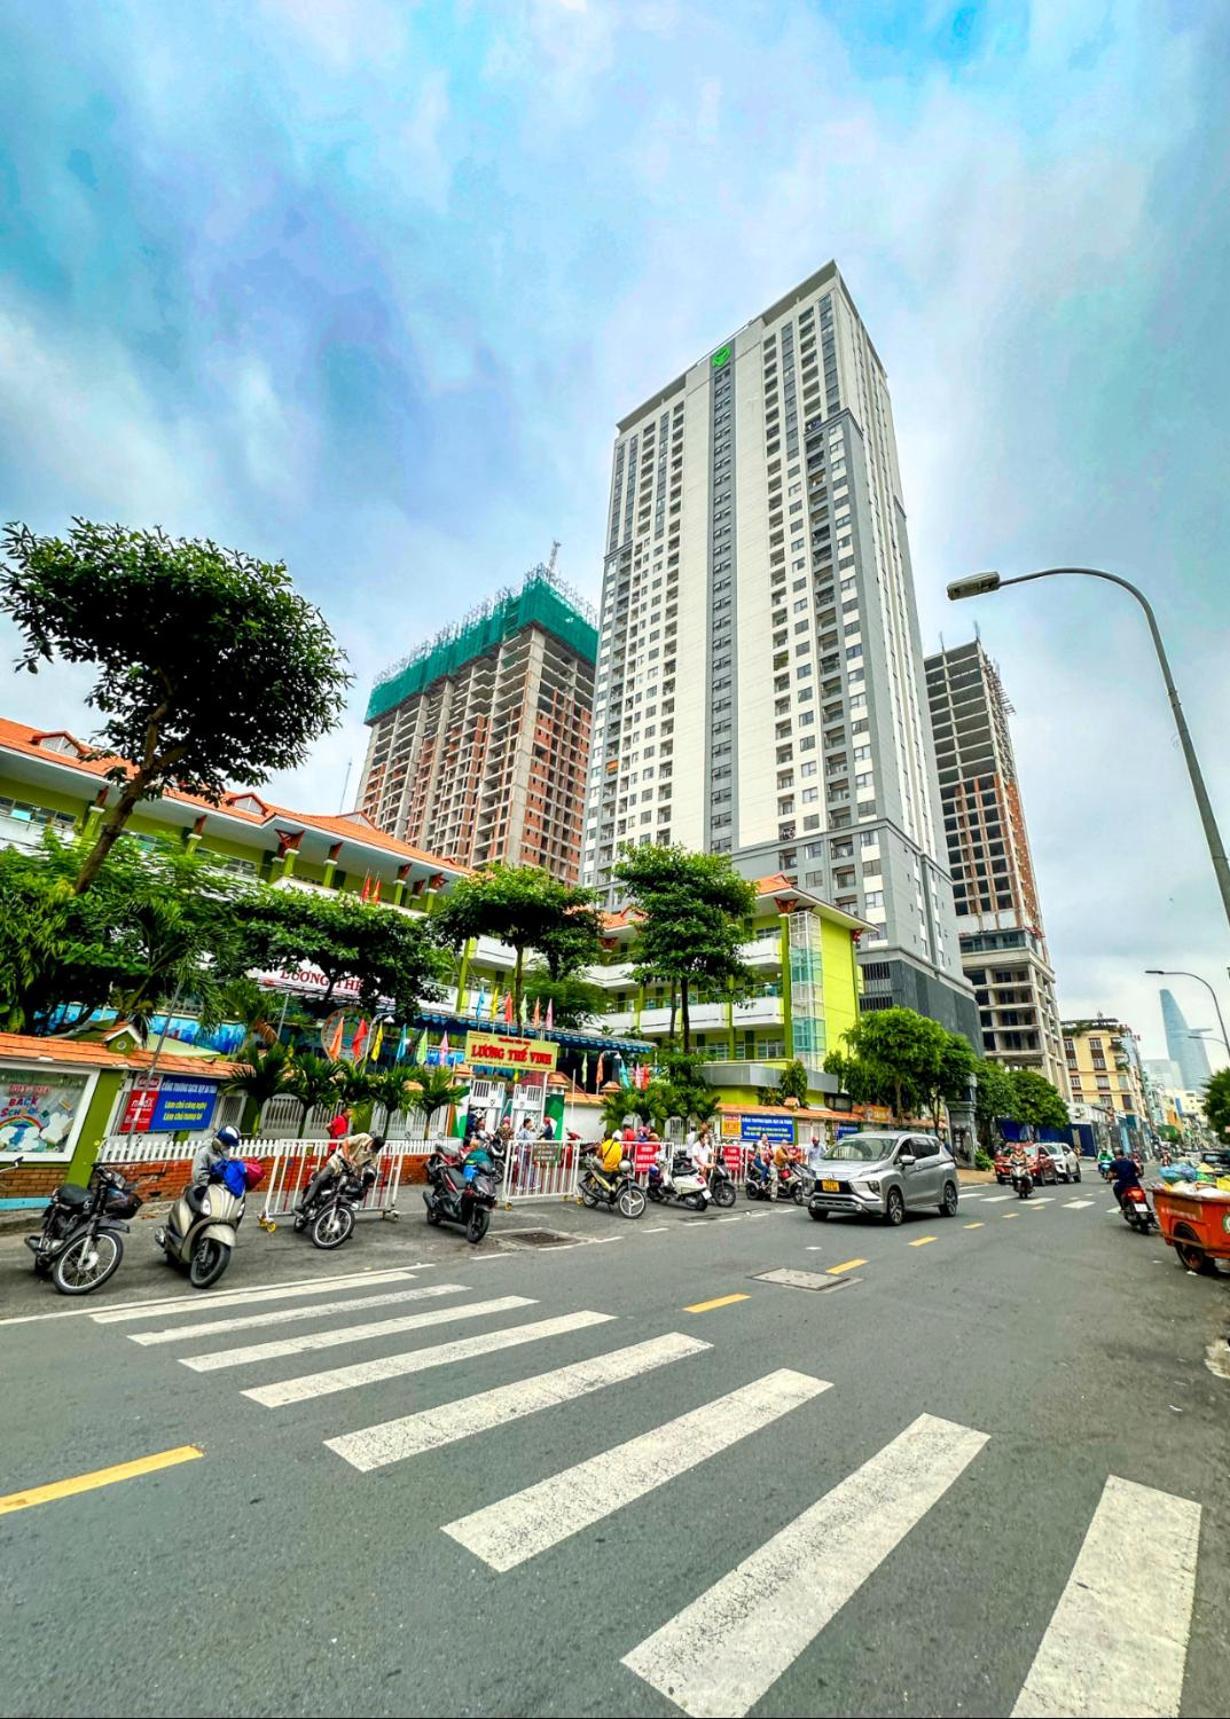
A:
[460, 1195]
[1137, 1212]
[792, 1184]
[80, 1244]
[200, 1232]
[685, 1186]
[328, 1214]
[721, 1184]
[599, 1187]
[1022, 1183]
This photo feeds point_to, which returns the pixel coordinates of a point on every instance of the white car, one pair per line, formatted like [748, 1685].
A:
[1067, 1163]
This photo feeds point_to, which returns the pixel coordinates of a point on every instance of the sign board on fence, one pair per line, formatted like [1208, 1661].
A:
[775, 1128]
[494, 1050]
[164, 1105]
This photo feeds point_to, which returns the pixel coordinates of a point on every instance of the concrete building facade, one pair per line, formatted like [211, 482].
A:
[480, 738]
[999, 917]
[759, 688]
[1105, 1070]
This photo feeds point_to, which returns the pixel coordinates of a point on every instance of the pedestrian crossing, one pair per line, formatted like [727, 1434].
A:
[733, 1639]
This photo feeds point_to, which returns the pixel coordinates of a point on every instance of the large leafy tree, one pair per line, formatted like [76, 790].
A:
[692, 911]
[1037, 1101]
[526, 908]
[394, 956]
[1217, 1104]
[893, 1057]
[575, 1001]
[210, 667]
[996, 1100]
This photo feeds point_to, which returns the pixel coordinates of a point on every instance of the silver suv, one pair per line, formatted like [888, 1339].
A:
[887, 1174]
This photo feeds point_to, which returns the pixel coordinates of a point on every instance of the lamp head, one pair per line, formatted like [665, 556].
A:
[976, 585]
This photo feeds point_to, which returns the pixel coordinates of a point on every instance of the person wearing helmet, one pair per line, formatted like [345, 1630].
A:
[211, 1153]
[356, 1153]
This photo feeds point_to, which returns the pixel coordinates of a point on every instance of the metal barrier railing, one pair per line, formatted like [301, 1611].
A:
[544, 1170]
[297, 1161]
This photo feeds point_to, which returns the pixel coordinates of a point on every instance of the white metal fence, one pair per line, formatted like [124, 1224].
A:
[543, 1170]
[297, 1161]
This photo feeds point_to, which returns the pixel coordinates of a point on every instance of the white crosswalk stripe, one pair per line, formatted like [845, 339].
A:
[1076, 1205]
[395, 1440]
[722, 1652]
[237, 1297]
[998, 1199]
[516, 1528]
[288, 1315]
[298, 1390]
[339, 1336]
[1137, 1563]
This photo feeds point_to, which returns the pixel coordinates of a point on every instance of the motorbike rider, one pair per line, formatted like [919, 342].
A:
[1105, 1159]
[762, 1168]
[355, 1153]
[610, 1155]
[211, 1153]
[1124, 1174]
[1020, 1161]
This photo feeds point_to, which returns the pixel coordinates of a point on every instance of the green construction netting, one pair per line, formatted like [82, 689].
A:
[536, 604]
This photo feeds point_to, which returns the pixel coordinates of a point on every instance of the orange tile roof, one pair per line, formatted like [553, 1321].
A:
[19, 737]
[25, 1047]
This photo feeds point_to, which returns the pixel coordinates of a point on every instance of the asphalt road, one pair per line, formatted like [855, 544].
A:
[970, 1474]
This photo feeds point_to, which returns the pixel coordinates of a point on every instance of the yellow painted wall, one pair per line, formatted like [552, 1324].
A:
[840, 983]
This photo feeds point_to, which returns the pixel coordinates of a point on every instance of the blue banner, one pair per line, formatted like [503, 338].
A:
[778, 1129]
[183, 1105]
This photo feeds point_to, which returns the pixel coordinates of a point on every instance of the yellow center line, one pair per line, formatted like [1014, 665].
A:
[977, 1226]
[846, 1265]
[721, 1301]
[923, 1240]
[98, 1477]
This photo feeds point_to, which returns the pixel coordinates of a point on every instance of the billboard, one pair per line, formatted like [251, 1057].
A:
[493, 1050]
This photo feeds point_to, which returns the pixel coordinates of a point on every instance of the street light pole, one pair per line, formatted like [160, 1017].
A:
[1182, 973]
[980, 584]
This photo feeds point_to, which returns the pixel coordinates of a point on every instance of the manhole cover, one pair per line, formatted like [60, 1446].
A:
[534, 1238]
[803, 1279]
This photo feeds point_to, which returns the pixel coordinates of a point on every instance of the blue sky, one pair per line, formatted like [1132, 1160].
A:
[365, 285]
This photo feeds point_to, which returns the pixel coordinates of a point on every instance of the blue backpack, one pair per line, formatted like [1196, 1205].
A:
[234, 1177]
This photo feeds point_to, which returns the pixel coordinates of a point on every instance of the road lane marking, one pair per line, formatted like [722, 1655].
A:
[210, 1300]
[657, 1229]
[846, 1265]
[393, 1441]
[738, 1217]
[980, 1225]
[33, 1495]
[721, 1301]
[287, 1315]
[922, 1241]
[324, 1384]
[1137, 1561]
[1043, 1200]
[1076, 1205]
[158, 1304]
[506, 1533]
[340, 1336]
[998, 1199]
[722, 1652]
[1007, 1215]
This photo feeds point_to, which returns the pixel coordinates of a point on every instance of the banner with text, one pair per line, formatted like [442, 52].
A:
[493, 1050]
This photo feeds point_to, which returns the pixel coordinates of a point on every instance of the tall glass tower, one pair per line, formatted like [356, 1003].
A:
[1182, 1048]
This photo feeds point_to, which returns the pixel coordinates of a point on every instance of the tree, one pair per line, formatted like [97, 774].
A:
[996, 1100]
[524, 907]
[392, 1090]
[210, 667]
[313, 1081]
[1037, 1101]
[894, 1057]
[575, 1001]
[693, 909]
[1217, 1104]
[681, 1088]
[264, 1075]
[952, 1077]
[394, 956]
[436, 1090]
[792, 1082]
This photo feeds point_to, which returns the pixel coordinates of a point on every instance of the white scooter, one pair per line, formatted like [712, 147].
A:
[684, 1184]
[199, 1234]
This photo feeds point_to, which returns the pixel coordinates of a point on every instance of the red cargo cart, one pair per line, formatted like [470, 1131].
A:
[1196, 1226]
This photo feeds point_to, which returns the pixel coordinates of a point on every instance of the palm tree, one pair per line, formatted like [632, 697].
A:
[354, 1085]
[313, 1081]
[436, 1090]
[263, 1076]
[616, 1107]
[393, 1090]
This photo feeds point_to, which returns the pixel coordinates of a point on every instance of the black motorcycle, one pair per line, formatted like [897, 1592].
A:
[599, 1187]
[328, 1211]
[721, 1183]
[792, 1184]
[81, 1242]
[463, 1195]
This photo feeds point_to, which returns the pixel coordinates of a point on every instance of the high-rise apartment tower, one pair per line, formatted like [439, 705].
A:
[480, 738]
[759, 687]
[1003, 944]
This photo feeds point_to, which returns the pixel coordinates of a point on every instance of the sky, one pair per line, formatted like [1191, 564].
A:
[364, 285]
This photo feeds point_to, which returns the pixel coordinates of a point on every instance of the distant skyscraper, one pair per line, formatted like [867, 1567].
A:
[1182, 1048]
[480, 738]
[1003, 943]
[759, 689]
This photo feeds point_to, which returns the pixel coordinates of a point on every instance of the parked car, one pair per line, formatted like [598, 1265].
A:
[1067, 1163]
[886, 1175]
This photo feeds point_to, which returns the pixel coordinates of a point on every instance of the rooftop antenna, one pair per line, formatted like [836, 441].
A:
[346, 784]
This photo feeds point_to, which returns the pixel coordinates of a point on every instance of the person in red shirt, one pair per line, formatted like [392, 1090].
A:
[340, 1126]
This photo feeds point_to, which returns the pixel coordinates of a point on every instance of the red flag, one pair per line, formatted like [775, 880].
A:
[358, 1041]
[508, 1008]
[598, 1070]
[537, 1011]
[367, 887]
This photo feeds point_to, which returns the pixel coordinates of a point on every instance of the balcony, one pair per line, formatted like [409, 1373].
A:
[759, 1012]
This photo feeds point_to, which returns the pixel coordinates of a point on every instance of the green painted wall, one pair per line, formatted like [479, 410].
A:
[840, 981]
[94, 1128]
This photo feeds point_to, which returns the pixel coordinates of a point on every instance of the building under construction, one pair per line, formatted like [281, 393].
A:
[480, 738]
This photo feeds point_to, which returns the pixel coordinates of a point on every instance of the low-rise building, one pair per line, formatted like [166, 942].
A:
[1105, 1070]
